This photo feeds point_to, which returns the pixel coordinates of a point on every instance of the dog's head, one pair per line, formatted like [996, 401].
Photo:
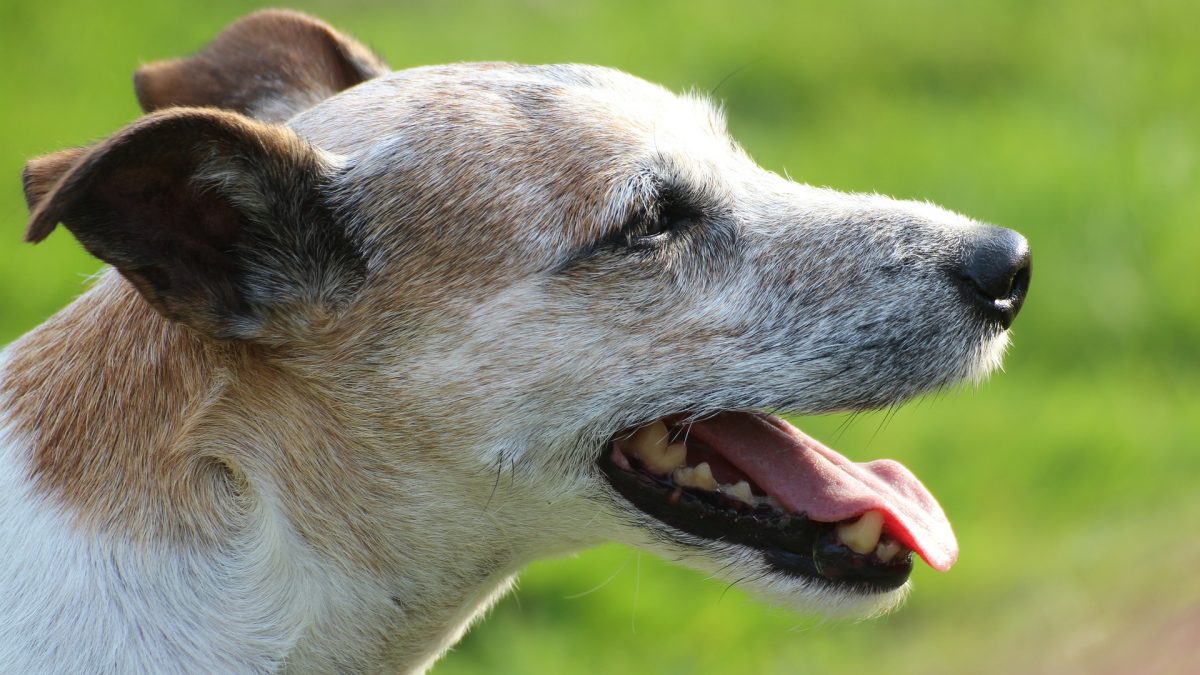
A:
[566, 291]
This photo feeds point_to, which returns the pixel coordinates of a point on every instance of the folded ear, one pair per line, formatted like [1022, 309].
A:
[220, 221]
[41, 173]
[269, 65]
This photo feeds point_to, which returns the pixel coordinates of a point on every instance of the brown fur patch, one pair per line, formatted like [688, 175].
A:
[502, 191]
[143, 427]
[108, 390]
[269, 65]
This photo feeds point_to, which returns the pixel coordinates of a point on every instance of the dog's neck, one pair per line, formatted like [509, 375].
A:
[153, 441]
[106, 391]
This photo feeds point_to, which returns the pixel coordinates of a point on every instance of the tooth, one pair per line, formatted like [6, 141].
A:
[651, 438]
[703, 478]
[649, 444]
[740, 491]
[695, 477]
[674, 456]
[886, 550]
[863, 534]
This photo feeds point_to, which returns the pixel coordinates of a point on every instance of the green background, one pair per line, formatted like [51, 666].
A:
[1071, 478]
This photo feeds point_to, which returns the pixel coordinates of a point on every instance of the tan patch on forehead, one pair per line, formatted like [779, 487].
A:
[482, 170]
[463, 178]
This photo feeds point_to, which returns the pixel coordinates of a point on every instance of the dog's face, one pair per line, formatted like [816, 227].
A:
[514, 272]
[566, 253]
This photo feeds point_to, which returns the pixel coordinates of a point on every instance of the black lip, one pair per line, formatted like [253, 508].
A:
[791, 543]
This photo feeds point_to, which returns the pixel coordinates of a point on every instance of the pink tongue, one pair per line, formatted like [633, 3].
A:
[807, 477]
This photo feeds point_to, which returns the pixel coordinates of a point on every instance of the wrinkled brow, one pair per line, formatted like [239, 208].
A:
[659, 184]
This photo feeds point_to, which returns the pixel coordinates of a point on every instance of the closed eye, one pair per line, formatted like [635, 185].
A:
[671, 217]
[652, 228]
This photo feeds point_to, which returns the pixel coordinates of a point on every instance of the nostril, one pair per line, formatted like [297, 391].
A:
[1020, 283]
[997, 271]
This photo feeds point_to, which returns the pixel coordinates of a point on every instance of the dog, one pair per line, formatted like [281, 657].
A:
[373, 341]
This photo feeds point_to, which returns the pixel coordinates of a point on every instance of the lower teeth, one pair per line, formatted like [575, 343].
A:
[696, 477]
[887, 550]
[739, 491]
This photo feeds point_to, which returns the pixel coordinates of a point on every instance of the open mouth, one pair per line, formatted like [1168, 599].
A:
[754, 479]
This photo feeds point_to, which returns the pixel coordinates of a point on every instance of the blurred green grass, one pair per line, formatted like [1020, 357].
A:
[1072, 479]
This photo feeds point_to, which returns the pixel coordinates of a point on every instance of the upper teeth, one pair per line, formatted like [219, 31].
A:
[862, 535]
[650, 444]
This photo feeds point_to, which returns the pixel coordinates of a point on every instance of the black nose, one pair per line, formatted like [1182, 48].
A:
[995, 273]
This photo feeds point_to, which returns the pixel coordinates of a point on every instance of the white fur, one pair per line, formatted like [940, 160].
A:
[75, 603]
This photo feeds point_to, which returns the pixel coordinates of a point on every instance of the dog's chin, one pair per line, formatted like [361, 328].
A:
[831, 602]
[748, 570]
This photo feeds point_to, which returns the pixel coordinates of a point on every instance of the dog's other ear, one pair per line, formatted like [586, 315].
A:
[269, 65]
[41, 173]
[221, 222]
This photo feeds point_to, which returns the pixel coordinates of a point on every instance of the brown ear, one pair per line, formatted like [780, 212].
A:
[220, 221]
[269, 65]
[41, 173]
